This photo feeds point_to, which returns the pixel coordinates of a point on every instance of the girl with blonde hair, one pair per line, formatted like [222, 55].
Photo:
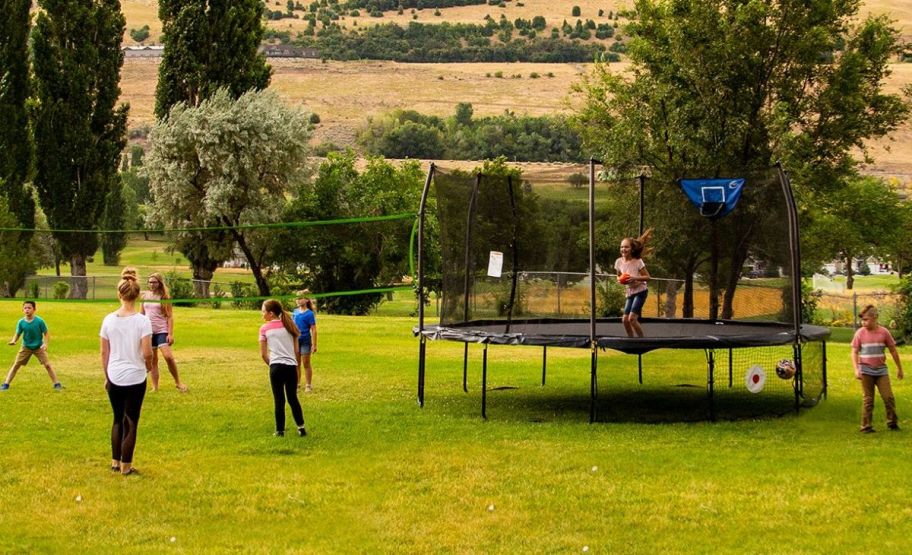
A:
[161, 315]
[126, 357]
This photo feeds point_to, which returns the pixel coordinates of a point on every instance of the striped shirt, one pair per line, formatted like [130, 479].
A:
[871, 346]
[283, 346]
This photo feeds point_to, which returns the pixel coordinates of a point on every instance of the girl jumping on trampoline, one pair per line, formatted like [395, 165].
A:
[631, 272]
[279, 350]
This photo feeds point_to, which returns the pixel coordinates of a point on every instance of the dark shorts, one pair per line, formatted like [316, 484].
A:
[304, 345]
[159, 339]
[635, 303]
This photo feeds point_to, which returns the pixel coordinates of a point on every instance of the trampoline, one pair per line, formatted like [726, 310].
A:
[501, 282]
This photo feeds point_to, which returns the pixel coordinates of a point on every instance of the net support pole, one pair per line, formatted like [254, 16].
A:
[641, 182]
[795, 251]
[640, 367]
[593, 343]
[730, 369]
[470, 218]
[422, 346]
[515, 255]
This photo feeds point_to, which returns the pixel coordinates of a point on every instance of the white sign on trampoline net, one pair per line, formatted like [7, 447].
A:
[495, 264]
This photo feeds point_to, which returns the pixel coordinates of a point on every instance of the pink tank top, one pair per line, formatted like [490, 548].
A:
[156, 315]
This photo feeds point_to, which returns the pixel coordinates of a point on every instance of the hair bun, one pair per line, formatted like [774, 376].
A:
[128, 273]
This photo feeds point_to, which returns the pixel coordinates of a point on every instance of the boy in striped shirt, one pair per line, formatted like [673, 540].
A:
[870, 362]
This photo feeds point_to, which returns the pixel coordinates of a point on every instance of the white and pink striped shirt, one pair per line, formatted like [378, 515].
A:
[283, 347]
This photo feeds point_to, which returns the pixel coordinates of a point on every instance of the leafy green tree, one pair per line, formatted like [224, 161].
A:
[854, 221]
[16, 147]
[351, 256]
[226, 163]
[79, 131]
[114, 216]
[209, 45]
[725, 88]
[141, 34]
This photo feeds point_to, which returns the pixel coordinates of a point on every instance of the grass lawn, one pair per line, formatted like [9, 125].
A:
[379, 474]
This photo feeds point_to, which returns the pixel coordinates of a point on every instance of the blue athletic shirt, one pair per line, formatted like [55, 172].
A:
[304, 319]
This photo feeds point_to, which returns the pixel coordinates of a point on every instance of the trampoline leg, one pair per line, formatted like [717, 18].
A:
[421, 357]
[824, 371]
[484, 383]
[544, 364]
[593, 384]
[710, 382]
[640, 367]
[798, 380]
[730, 373]
[465, 368]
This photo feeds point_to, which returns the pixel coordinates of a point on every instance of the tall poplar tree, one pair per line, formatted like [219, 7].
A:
[209, 44]
[79, 129]
[15, 142]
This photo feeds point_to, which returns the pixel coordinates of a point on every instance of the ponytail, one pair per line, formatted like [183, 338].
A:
[277, 310]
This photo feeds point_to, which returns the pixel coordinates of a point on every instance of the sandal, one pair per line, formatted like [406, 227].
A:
[182, 388]
[115, 468]
[132, 470]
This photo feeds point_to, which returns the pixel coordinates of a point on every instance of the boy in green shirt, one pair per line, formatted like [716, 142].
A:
[34, 333]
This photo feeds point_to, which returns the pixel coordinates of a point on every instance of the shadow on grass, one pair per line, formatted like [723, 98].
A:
[659, 405]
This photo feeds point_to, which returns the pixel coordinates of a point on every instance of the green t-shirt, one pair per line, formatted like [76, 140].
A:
[32, 332]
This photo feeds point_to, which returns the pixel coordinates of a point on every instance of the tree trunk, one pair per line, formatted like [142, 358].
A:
[255, 266]
[850, 275]
[203, 271]
[734, 276]
[79, 287]
[671, 298]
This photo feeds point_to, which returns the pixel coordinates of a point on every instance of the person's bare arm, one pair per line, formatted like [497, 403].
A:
[899, 370]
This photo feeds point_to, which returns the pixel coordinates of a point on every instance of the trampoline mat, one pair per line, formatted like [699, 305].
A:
[610, 334]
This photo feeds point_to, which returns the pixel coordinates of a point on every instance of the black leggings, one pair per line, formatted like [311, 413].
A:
[284, 380]
[126, 401]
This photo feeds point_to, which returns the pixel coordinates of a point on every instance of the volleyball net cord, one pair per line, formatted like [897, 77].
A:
[276, 225]
[523, 274]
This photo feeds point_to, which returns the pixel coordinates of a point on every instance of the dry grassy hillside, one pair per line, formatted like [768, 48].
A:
[145, 12]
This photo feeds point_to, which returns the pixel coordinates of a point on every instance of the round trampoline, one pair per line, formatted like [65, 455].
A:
[610, 334]
[522, 262]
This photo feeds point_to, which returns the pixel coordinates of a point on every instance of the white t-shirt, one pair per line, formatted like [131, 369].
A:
[126, 365]
[283, 347]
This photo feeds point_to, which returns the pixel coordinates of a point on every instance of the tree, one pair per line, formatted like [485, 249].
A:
[209, 45]
[16, 148]
[575, 12]
[140, 35]
[226, 163]
[855, 221]
[114, 216]
[351, 256]
[757, 82]
[79, 133]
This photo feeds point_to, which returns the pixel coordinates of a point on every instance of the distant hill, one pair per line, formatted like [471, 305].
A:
[140, 13]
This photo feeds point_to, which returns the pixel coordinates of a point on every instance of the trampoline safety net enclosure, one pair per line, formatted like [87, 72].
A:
[528, 259]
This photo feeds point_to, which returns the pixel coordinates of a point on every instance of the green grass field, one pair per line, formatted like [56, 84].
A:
[379, 474]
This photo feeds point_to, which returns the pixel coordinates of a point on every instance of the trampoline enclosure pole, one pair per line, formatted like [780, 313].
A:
[593, 378]
[422, 207]
[484, 383]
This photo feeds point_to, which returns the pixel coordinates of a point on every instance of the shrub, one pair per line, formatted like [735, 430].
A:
[239, 290]
[180, 288]
[34, 289]
[61, 290]
[576, 11]
[903, 314]
[217, 295]
[534, 75]
[610, 297]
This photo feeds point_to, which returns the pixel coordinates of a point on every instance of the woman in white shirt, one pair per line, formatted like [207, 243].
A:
[126, 357]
